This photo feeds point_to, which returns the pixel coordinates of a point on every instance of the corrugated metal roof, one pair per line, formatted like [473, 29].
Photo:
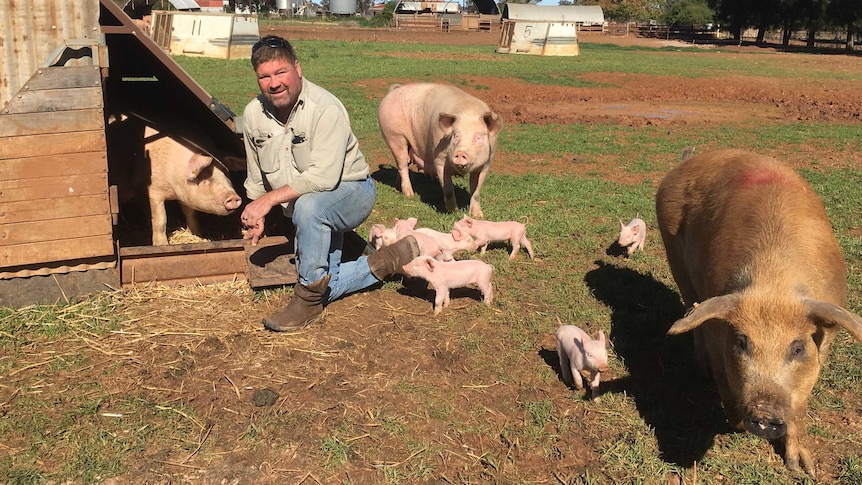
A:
[178, 4]
[586, 14]
[185, 4]
[32, 30]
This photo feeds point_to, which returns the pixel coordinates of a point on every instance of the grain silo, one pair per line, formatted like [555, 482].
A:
[342, 7]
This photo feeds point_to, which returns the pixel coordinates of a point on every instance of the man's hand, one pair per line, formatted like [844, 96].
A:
[253, 218]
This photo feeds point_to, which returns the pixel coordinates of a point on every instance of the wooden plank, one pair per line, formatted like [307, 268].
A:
[46, 210]
[66, 164]
[53, 188]
[49, 100]
[57, 122]
[64, 77]
[52, 144]
[58, 230]
[270, 262]
[183, 263]
[51, 251]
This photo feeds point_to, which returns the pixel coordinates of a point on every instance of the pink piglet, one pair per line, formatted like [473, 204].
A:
[452, 242]
[486, 232]
[442, 276]
[632, 235]
[428, 246]
[581, 356]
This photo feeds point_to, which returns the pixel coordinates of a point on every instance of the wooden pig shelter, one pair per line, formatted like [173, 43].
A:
[70, 67]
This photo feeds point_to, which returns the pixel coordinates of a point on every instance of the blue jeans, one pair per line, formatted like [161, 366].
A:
[321, 219]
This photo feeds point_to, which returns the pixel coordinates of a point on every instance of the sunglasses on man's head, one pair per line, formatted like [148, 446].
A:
[276, 42]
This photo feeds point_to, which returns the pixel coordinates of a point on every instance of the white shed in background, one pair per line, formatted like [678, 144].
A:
[545, 31]
[204, 34]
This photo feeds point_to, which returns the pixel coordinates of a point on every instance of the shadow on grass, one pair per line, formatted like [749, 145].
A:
[425, 187]
[670, 394]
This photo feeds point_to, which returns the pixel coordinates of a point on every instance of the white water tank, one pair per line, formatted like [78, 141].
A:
[282, 4]
[342, 7]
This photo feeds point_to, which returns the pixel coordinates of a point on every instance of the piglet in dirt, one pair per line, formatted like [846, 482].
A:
[454, 241]
[632, 235]
[442, 276]
[581, 356]
[180, 173]
[486, 232]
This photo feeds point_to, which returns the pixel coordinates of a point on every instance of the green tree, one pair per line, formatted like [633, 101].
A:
[848, 15]
[633, 10]
[688, 13]
[384, 18]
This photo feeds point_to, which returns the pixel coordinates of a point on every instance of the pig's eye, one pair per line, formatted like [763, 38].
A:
[797, 351]
[741, 343]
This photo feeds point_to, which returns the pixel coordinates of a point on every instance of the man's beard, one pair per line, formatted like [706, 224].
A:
[279, 100]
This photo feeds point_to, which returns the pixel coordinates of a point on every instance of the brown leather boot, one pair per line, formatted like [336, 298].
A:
[303, 309]
[388, 260]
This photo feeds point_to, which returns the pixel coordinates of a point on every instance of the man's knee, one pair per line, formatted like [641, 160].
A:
[305, 211]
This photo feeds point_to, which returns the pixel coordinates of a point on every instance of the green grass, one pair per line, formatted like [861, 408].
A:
[572, 220]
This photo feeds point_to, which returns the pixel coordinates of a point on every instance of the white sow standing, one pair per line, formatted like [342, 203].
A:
[444, 131]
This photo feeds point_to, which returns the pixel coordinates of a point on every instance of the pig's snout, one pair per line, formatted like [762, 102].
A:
[460, 158]
[764, 423]
[604, 368]
[232, 202]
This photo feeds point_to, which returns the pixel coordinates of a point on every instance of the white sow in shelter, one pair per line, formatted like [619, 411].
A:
[545, 31]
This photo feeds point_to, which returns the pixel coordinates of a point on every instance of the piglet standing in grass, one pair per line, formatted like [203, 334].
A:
[486, 232]
[442, 276]
[428, 246]
[581, 356]
[632, 235]
[452, 242]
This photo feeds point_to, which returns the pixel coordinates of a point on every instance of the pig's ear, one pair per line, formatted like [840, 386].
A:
[456, 234]
[197, 162]
[431, 263]
[828, 315]
[377, 230]
[411, 221]
[446, 122]
[579, 344]
[601, 337]
[622, 226]
[493, 122]
[716, 307]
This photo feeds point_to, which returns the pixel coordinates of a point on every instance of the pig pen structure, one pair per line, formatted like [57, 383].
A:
[71, 70]
[544, 30]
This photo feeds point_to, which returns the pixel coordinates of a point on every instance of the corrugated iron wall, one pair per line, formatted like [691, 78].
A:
[33, 29]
